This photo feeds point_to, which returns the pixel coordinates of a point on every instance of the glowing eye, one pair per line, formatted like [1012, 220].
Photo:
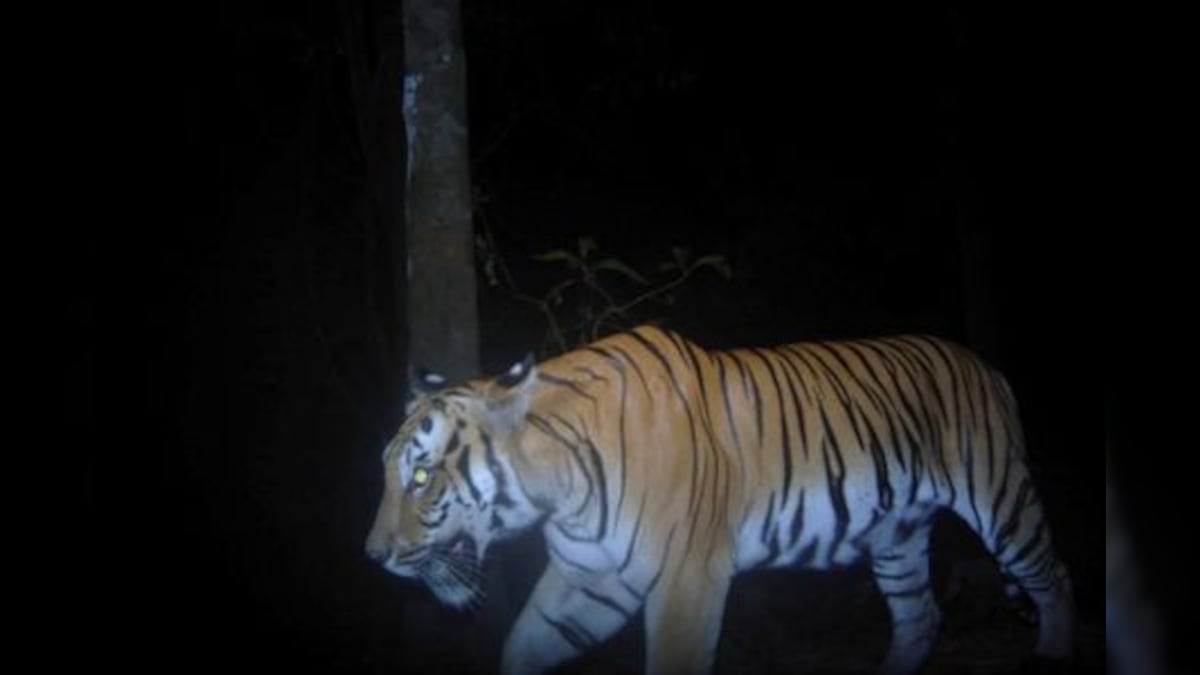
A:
[420, 476]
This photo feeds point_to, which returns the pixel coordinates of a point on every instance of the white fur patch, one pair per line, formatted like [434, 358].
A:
[425, 445]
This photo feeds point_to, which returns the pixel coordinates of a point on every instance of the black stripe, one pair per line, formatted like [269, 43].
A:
[1004, 535]
[787, 442]
[709, 459]
[848, 402]
[871, 444]
[1038, 535]
[985, 398]
[733, 426]
[895, 577]
[715, 499]
[664, 362]
[437, 521]
[960, 394]
[464, 469]
[739, 451]
[930, 349]
[575, 636]
[633, 538]
[910, 421]
[621, 443]
[772, 546]
[601, 489]
[808, 553]
[541, 424]
[766, 524]
[1044, 564]
[576, 447]
[561, 382]
[662, 564]
[914, 592]
[749, 377]
[906, 527]
[561, 557]
[883, 485]
[619, 365]
[489, 451]
[797, 520]
[628, 358]
[604, 600]
[999, 499]
[591, 373]
[657, 353]
[884, 399]
[789, 369]
[915, 355]
[837, 497]
[457, 494]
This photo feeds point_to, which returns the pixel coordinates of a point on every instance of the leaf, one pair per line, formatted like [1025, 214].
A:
[559, 255]
[555, 295]
[614, 265]
[717, 262]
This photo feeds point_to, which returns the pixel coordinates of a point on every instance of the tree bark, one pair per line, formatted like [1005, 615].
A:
[441, 318]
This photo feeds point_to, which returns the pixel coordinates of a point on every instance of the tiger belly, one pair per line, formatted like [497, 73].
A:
[806, 532]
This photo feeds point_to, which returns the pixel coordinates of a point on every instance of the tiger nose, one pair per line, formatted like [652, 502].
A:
[377, 553]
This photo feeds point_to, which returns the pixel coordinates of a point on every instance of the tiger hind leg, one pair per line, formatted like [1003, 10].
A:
[902, 576]
[1014, 530]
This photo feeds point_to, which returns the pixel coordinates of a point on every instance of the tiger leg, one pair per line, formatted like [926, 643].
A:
[683, 619]
[561, 621]
[902, 575]
[1013, 528]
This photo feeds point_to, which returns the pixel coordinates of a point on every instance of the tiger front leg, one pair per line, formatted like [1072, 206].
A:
[562, 620]
[683, 619]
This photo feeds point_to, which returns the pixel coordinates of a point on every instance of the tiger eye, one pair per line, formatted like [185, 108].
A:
[420, 476]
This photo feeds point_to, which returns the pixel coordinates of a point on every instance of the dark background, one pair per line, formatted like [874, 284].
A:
[862, 171]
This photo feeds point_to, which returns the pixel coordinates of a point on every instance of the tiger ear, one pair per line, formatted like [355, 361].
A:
[517, 373]
[421, 383]
[509, 395]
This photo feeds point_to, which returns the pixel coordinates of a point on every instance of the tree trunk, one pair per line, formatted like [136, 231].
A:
[442, 321]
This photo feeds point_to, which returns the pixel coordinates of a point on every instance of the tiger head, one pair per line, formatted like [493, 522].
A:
[450, 488]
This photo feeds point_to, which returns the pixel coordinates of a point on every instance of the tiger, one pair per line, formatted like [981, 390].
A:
[658, 470]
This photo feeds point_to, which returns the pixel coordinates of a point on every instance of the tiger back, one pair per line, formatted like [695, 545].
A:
[659, 470]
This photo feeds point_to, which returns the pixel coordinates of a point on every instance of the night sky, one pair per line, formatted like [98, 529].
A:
[853, 166]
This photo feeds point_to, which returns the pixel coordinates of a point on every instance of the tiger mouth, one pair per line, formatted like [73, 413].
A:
[450, 569]
[452, 572]
[458, 547]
